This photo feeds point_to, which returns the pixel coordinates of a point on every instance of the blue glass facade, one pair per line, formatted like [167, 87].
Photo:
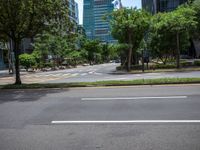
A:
[155, 6]
[94, 24]
[73, 11]
[169, 5]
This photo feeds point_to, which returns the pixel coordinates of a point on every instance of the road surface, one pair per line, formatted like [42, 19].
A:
[101, 72]
[114, 118]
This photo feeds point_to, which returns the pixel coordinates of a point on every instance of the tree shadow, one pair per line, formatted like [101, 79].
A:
[26, 95]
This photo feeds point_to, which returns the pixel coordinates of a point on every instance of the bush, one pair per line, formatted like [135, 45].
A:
[48, 65]
[186, 64]
[133, 67]
[136, 67]
[119, 68]
[163, 66]
[27, 61]
[197, 62]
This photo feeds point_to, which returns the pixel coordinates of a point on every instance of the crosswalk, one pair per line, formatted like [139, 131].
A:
[62, 75]
[43, 77]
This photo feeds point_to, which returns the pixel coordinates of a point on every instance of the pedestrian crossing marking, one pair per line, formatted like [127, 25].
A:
[45, 77]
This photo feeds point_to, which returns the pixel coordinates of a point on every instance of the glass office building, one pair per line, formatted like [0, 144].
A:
[155, 6]
[94, 24]
[73, 11]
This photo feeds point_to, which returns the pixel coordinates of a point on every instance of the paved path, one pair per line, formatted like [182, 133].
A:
[28, 118]
[101, 72]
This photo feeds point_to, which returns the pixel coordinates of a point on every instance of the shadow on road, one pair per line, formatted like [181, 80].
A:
[26, 95]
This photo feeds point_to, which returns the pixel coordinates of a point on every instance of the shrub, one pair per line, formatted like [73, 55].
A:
[133, 67]
[119, 68]
[186, 64]
[48, 65]
[27, 61]
[197, 62]
[164, 66]
[136, 67]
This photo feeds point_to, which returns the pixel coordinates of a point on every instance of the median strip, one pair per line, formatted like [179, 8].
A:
[123, 121]
[160, 81]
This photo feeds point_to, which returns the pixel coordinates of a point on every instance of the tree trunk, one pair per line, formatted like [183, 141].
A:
[178, 50]
[129, 54]
[135, 60]
[142, 60]
[17, 69]
[10, 58]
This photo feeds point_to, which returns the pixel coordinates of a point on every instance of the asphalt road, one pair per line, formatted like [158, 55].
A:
[28, 118]
[101, 72]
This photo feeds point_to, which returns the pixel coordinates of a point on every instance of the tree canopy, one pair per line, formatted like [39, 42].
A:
[170, 31]
[129, 26]
[25, 18]
[196, 7]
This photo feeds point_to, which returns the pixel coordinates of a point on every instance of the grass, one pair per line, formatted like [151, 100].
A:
[167, 70]
[159, 81]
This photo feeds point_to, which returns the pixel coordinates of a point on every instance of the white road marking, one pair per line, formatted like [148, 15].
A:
[138, 75]
[67, 74]
[123, 121]
[83, 74]
[96, 73]
[75, 74]
[55, 75]
[91, 72]
[121, 78]
[132, 98]
[46, 75]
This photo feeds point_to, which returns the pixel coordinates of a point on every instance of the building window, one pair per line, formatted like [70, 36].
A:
[101, 31]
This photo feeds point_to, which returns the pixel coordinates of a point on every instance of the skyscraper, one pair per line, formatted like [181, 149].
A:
[155, 6]
[94, 24]
[76, 13]
[73, 11]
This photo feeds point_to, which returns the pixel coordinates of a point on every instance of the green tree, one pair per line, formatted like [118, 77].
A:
[178, 22]
[162, 42]
[113, 51]
[92, 49]
[119, 51]
[27, 60]
[196, 7]
[25, 18]
[129, 26]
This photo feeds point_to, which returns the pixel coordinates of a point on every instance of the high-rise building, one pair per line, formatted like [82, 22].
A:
[76, 13]
[95, 26]
[155, 6]
[73, 11]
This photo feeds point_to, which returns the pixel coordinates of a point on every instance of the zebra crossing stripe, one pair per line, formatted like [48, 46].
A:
[75, 74]
[83, 74]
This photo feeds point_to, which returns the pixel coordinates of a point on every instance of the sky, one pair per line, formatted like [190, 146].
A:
[126, 3]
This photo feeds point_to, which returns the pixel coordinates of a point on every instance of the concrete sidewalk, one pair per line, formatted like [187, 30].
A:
[4, 73]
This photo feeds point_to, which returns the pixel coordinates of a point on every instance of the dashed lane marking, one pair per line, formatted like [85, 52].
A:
[133, 98]
[123, 121]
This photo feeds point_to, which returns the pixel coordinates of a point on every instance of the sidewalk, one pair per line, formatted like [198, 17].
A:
[4, 73]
